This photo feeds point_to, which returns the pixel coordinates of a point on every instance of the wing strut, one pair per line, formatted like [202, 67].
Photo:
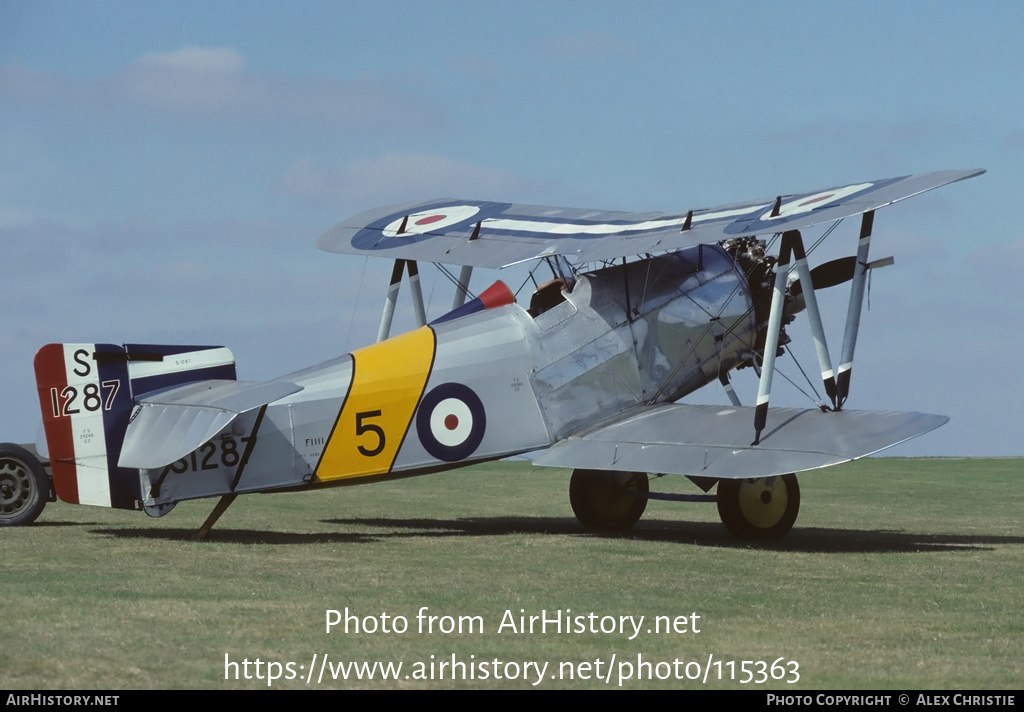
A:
[853, 313]
[462, 288]
[417, 293]
[792, 248]
[813, 315]
[723, 378]
[392, 297]
[771, 342]
[837, 388]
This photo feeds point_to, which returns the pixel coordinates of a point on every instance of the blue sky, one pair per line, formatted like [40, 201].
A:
[166, 167]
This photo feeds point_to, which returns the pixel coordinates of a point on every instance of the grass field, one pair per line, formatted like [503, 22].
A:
[899, 574]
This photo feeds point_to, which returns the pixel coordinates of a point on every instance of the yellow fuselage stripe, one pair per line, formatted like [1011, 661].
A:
[387, 383]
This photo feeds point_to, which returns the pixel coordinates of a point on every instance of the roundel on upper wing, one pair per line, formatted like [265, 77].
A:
[451, 422]
[430, 220]
[817, 200]
[793, 208]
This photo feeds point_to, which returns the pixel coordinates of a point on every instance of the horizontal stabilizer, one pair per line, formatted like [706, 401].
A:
[170, 424]
[714, 441]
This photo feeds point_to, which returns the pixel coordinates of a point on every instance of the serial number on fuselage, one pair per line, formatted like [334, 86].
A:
[213, 455]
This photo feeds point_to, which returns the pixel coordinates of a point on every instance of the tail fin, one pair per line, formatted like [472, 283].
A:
[87, 392]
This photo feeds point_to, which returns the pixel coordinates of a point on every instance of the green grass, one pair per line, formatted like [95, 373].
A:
[898, 574]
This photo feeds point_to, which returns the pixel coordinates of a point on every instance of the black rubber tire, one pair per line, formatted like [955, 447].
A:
[600, 499]
[23, 486]
[761, 509]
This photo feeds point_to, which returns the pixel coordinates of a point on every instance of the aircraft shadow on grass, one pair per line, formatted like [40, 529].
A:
[706, 534]
[43, 525]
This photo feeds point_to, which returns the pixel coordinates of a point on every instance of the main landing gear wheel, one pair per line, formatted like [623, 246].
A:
[605, 501]
[759, 509]
[23, 486]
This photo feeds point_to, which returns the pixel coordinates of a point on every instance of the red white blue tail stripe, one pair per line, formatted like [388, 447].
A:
[86, 394]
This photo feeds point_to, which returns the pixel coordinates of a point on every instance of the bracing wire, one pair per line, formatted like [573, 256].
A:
[817, 400]
[430, 298]
[529, 278]
[824, 235]
[451, 277]
[355, 309]
[769, 245]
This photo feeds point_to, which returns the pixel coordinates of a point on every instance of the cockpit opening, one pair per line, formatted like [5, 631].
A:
[548, 295]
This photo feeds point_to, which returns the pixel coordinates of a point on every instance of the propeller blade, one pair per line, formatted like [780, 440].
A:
[829, 274]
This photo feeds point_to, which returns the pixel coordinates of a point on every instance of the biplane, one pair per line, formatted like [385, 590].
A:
[640, 311]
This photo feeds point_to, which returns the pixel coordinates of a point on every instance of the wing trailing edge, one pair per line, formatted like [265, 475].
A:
[714, 441]
[170, 424]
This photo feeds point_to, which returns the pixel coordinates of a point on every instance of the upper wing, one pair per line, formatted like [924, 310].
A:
[485, 234]
[714, 441]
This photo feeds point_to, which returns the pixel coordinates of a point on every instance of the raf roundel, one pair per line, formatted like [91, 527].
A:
[432, 220]
[817, 200]
[451, 422]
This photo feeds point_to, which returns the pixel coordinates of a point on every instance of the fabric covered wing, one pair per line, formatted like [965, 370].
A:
[493, 235]
[714, 441]
[170, 424]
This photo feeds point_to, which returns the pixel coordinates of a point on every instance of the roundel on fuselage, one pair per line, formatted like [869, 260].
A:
[451, 422]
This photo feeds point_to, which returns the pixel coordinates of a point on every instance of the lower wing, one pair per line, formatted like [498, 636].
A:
[714, 441]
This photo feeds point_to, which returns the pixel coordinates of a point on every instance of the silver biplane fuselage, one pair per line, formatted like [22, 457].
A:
[645, 332]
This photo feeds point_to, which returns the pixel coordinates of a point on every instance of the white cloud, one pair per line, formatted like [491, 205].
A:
[395, 177]
[204, 83]
[189, 78]
[197, 60]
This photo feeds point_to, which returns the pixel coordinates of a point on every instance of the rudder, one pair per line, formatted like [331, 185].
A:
[86, 395]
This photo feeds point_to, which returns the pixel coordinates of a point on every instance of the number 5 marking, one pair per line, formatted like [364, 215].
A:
[362, 428]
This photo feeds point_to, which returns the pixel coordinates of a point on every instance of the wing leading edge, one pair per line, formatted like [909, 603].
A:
[714, 441]
[494, 235]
